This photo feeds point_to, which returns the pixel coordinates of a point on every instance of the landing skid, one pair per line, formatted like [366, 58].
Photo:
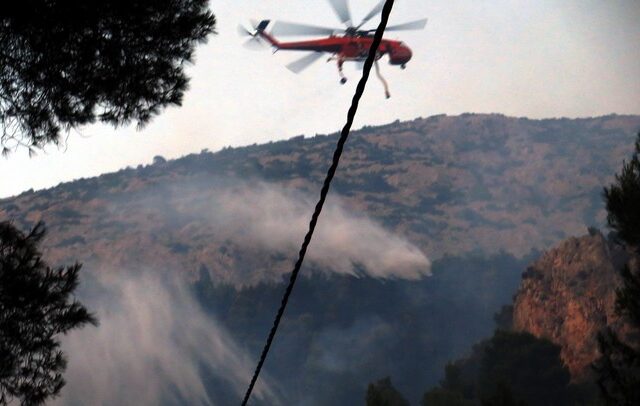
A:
[343, 79]
[384, 82]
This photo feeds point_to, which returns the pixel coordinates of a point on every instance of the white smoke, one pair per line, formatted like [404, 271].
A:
[150, 349]
[275, 219]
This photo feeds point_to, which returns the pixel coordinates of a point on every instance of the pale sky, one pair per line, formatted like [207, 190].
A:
[542, 58]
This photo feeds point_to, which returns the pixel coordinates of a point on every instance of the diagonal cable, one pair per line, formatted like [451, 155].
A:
[323, 192]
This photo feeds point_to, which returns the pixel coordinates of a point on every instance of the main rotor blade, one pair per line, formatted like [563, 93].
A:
[374, 11]
[411, 25]
[341, 8]
[283, 28]
[303, 63]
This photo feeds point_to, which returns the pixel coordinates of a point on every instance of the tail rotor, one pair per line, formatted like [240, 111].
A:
[254, 42]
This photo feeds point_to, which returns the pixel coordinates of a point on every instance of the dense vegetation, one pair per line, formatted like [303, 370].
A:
[619, 367]
[36, 308]
[509, 368]
[383, 393]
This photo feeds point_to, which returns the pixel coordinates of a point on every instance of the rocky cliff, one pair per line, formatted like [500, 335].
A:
[568, 296]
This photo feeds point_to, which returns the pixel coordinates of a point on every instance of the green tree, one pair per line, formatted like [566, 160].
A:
[444, 397]
[66, 63]
[510, 368]
[461, 375]
[531, 367]
[382, 393]
[36, 306]
[619, 367]
[501, 396]
[622, 200]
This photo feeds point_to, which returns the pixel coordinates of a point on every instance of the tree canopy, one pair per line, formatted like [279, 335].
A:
[383, 393]
[36, 306]
[619, 367]
[529, 368]
[510, 368]
[66, 63]
[622, 199]
[444, 397]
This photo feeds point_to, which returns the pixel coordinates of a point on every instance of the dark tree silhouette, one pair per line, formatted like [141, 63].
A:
[66, 63]
[444, 397]
[623, 200]
[619, 366]
[502, 396]
[36, 306]
[382, 393]
[530, 367]
[510, 368]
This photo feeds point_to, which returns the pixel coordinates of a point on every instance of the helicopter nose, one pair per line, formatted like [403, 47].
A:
[401, 56]
[406, 54]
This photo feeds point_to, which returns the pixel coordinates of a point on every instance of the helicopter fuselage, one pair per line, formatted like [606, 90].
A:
[346, 48]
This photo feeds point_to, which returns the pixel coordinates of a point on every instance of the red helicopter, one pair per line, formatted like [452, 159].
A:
[349, 44]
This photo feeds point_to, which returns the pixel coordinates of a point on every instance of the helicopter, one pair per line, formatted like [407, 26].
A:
[351, 43]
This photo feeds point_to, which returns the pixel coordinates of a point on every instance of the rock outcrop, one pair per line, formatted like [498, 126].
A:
[568, 296]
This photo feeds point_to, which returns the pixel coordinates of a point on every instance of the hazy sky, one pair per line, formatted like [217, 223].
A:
[542, 58]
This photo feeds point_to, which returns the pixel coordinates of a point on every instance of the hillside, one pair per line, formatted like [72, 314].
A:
[449, 185]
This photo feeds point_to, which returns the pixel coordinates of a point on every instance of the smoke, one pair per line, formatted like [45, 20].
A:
[154, 346]
[341, 349]
[269, 217]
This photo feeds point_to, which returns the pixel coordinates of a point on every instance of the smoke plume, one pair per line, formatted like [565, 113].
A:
[275, 219]
[154, 346]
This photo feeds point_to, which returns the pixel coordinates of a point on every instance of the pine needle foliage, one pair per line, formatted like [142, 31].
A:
[67, 63]
[618, 368]
[36, 307]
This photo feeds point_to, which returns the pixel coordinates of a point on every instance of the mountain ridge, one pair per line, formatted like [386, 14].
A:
[306, 137]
